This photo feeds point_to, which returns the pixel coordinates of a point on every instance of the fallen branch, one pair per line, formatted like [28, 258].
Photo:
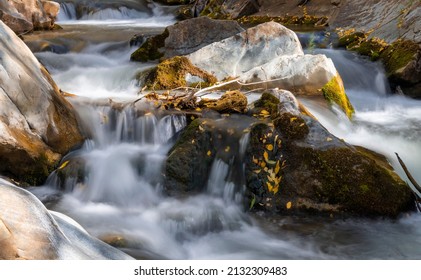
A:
[416, 185]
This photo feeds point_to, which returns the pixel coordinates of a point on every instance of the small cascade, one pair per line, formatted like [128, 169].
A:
[112, 11]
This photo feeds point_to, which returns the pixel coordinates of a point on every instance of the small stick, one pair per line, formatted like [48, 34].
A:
[416, 185]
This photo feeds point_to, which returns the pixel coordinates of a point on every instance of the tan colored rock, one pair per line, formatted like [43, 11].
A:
[26, 15]
[230, 102]
[37, 124]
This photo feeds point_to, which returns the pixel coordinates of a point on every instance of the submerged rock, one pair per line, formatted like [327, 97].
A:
[53, 235]
[38, 125]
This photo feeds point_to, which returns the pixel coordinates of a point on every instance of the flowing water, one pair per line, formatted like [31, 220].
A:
[117, 192]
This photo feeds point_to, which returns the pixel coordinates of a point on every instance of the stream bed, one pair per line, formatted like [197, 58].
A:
[121, 197]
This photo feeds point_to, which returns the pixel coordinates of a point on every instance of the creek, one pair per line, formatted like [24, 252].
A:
[120, 196]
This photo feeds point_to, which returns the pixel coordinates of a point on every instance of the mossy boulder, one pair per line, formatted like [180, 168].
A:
[189, 161]
[294, 165]
[177, 72]
[150, 49]
[334, 92]
[402, 60]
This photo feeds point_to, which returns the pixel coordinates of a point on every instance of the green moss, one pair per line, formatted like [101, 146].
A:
[150, 49]
[350, 179]
[171, 73]
[292, 127]
[352, 39]
[214, 10]
[334, 92]
[371, 48]
[398, 55]
[305, 20]
[268, 102]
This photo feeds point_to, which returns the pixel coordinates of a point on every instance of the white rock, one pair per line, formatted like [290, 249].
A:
[29, 231]
[240, 53]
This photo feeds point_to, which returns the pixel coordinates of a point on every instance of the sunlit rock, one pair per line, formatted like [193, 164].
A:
[29, 231]
[37, 124]
[270, 56]
[23, 16]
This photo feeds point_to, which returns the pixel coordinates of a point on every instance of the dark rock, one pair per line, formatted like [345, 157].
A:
[185, 37]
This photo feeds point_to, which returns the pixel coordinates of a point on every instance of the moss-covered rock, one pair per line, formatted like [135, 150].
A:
[230, 102]
[189, 161]
[305, 20]
[175, 72]
[150, 50]
[334, 92]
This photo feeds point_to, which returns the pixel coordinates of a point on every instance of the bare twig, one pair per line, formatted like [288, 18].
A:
[416, 185]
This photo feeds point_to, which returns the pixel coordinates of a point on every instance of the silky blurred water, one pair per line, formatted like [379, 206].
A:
[120, 193]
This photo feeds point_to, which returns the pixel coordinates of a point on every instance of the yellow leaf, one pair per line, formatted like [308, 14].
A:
[257, 171]
[201, 128]
[262, 164]
[255, 160]
[198, 109]
[269, 178]
[192, 141]
[289, 205]
[192, 117]
[64, 164]
[209, 153]
[328, 139]
[271, 162]
[264, 113]
[269, 147]
[227, 149]
[292, 119]
[270, 187]
[266, 156]
[277, 167]
[275, 189]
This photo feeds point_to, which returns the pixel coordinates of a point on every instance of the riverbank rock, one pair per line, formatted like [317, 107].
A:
[28, 15]
[185, 37]
[53, 236]
[38, 124]
[293, 165]
[223, 9]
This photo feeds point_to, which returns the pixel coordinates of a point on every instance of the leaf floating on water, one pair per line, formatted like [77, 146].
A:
[63, 165]
[266, 156]
[289, 205]
[209, 153]
[269, 147]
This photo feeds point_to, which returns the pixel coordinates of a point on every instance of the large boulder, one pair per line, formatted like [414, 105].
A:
[23, 16]
[270, 55]
[185, 37]
[288, 162]
[29, 231]
[37, 124]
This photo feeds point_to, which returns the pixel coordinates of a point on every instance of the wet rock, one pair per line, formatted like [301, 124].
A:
[38, 125]
[296, 165]
[185, 37]
[177, 72]
[24, 16]
[53, 235]
[402, 61]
